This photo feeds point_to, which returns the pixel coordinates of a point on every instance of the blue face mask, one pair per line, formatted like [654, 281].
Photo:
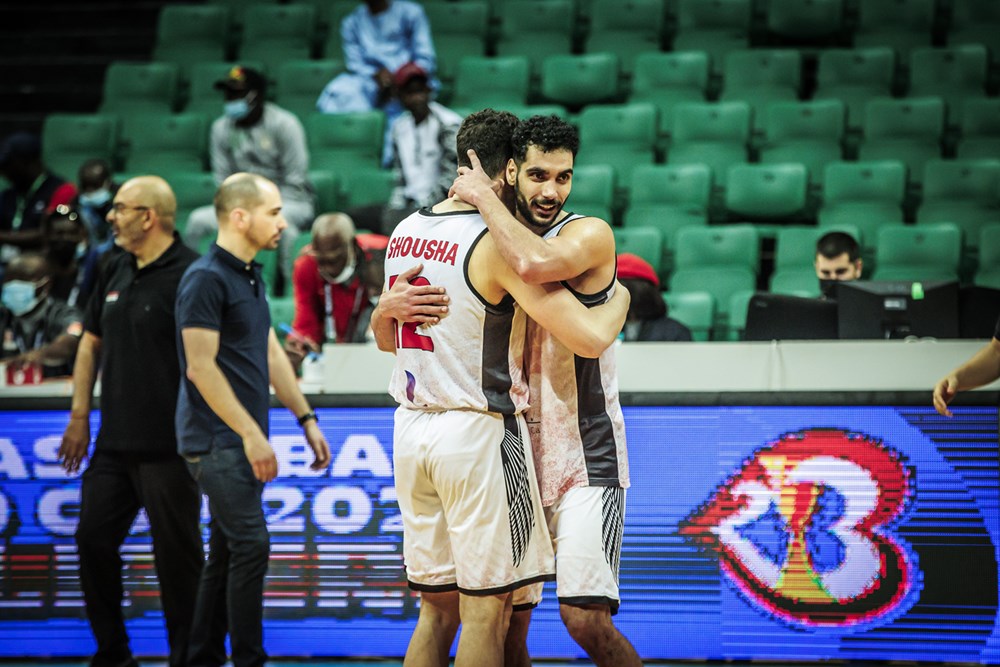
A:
[95, 199]
[237, 109]
[18, 296]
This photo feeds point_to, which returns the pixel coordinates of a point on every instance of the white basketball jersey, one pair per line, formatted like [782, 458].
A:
[473, 358]
[575, 418]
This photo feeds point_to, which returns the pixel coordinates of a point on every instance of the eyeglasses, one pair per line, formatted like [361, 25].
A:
[120, 208]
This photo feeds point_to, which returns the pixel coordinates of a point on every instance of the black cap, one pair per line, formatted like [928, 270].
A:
[242, 80]
[23, 145]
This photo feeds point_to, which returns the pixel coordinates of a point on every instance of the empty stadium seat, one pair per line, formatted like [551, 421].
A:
[620, 135]
[716, 135]
[299, 84]
[806, 132]
[902, 25]
[855, 76]
[190, 34]
[626, 29]
[69, 140]
[575, 81]
[925, 252]
[191, 189]
[275, 34]
[327, 191]
[668, 79]
[695, 310]
[956, 75]
[760, 77]
[766, 192]
[345, 142]
[737, 323]
[646, 242]
[366, 185]
[719, 260]
[131, 88]
[808, 21]
[714, 26]
[988, 272]
[498, 82]
[169, 143]
[974, 22]
[593, 191]
[909, 130]
[460, 30]
[536, 29]
[980, 129]
[868, 195]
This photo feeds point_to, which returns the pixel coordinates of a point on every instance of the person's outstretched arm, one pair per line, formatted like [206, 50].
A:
[981, 369]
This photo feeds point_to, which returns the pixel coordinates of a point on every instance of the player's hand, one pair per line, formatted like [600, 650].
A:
[75, 440]
[944, 391]
[317, 441]
[261, 457]
[406, 302]
[473, 183]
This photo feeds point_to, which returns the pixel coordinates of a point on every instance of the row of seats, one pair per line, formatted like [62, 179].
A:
[538, 28]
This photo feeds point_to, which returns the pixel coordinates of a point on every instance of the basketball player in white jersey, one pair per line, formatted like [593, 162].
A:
[473, 524]
[575, 419]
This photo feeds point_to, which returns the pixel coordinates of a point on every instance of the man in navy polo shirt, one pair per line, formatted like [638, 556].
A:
[229, 354]
[129, 335]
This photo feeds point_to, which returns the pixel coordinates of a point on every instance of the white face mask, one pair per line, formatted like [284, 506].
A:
[346, 274]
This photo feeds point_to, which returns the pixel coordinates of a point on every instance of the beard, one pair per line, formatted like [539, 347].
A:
[528, 216]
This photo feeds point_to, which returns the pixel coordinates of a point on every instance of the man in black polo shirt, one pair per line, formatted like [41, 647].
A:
[229, 354]
[129, 333]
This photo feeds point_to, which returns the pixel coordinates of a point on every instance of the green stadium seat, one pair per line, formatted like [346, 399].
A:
[461, 30]
[974, 22]
[924, 252]
[578, 80]
[714, 134]
[620, 135]
[806, 132]
[811, 22]
[269, 268]
[345, 142]
[191, 189]
[69, 140]
[238, 8]
[646, 242]
[626, 29]
[593, 191]
[766, 192]
[491, 82]
[737, 324]
[902, 25]
[669, 198]
[169, 143]
[714, 26]
[536, 29]
[282, 311]
[335, 12]
[761, 77]
[980, 129]
[190, 34]
[867, 195]
[275, 34]
[855, 76]
[909, 130]
[366, 185]
[300, 82]
[956, 75]
[668, 79]
[988, 272]
[327, 191]
[719, 260]
[695, 310]
[139, 88]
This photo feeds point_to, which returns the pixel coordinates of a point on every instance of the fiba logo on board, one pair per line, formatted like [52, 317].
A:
[804, 529]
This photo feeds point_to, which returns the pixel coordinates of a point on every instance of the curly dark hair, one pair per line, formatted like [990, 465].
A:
[487, 132]
[549, 133]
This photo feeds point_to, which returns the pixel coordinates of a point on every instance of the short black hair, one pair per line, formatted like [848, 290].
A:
[835, 244]
[548, 133]
[488, 132]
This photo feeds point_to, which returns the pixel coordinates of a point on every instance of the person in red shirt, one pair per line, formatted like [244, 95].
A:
[334, 281]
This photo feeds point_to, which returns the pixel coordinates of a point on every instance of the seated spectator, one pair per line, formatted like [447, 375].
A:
[838, 257]
[379, 37]
[647, 318]
[93, 203]
[73, 259]
[259, 137]
[334, 284]
[38, 329]
[33, 191]
[422, 150]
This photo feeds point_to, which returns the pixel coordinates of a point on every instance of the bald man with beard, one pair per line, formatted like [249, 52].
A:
[129, 336]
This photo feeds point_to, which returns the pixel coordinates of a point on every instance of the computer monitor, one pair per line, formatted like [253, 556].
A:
[784, 317]
[893, 310]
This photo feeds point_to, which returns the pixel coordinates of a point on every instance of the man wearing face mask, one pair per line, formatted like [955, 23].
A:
[838, 258]
[73, 259]
[37, 328]
[331, 292]
[258, 137]
[93, 203]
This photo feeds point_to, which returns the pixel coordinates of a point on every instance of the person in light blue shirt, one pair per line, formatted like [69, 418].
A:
[380, 36]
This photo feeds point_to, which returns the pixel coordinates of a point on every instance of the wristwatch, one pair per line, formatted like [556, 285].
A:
[306, 417]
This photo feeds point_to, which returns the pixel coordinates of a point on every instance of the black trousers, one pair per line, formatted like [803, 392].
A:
[114, 488]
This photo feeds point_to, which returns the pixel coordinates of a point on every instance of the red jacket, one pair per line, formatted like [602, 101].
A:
[321, 306]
